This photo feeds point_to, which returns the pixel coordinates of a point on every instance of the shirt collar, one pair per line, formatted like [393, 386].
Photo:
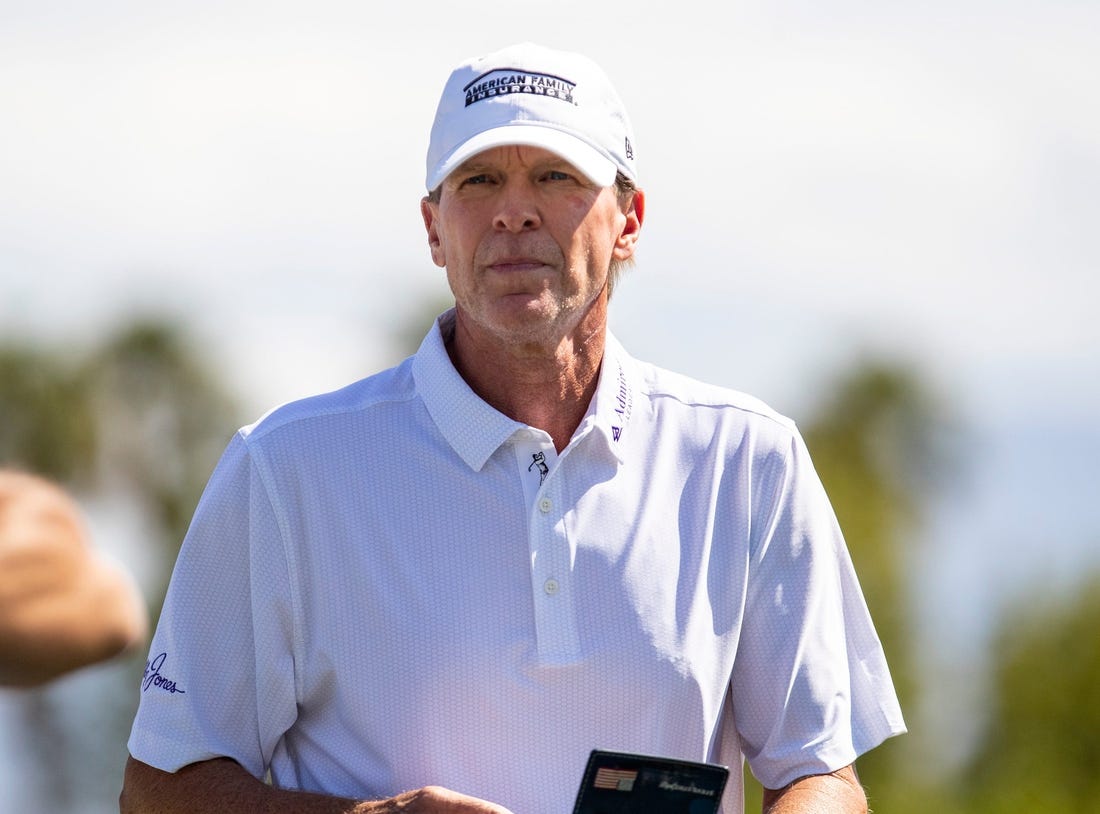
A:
[476, 430]
[473, 429]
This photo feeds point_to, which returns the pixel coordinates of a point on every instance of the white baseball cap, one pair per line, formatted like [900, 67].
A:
[531, 95]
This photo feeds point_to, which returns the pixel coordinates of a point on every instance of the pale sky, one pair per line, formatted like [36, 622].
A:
[820, 176]
[823, 179]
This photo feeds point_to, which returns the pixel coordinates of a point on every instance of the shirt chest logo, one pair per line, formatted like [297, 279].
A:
[624, 404]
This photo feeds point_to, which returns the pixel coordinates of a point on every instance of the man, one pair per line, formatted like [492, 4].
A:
[439, 588]
[63, 606]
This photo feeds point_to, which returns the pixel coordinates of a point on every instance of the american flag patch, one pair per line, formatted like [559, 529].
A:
[617, 779]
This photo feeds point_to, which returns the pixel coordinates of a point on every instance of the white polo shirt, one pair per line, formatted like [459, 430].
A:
[394, 585]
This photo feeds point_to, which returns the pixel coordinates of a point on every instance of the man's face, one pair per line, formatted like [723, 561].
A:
[527, 241]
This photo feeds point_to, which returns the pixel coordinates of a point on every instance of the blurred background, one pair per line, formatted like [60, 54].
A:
[879, 217]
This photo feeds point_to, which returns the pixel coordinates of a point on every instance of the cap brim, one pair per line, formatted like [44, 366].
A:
[590, 162]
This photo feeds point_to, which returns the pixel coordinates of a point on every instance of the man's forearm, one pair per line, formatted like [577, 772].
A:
[837, 793]
[214, 785]
[223, 785]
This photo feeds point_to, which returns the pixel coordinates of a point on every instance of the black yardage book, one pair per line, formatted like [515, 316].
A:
[622, 783]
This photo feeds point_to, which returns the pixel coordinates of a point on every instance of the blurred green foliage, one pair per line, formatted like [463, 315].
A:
[46, 422]
[163, 417]
[1040, 751]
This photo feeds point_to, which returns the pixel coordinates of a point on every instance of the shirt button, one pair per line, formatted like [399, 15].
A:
[545, 505]
[550, 586]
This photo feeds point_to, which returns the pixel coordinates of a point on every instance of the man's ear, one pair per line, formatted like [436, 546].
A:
[430, 213]
[628, 237]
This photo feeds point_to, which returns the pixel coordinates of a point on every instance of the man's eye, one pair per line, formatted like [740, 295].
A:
[474, 180]
[557, 175]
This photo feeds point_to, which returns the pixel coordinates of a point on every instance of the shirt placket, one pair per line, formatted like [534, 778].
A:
[551, 557]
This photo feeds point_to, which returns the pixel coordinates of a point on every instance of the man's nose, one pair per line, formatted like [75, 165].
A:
[518, 210]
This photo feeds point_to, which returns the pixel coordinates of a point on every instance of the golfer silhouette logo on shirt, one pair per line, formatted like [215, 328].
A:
[540, 462]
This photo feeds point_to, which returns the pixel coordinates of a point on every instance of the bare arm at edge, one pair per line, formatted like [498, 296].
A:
[839, 792]
[62, 604]
[221, 785]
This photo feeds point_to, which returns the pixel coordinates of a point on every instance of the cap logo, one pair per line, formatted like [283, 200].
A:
[503, 81]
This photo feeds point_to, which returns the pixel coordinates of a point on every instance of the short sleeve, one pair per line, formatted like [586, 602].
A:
[810, 687]
[219, 681]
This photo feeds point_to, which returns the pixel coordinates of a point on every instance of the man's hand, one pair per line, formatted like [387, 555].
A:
[431, 800]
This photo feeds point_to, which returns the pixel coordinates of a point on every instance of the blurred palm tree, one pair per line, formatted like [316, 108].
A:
[162, 418]
[46, 424]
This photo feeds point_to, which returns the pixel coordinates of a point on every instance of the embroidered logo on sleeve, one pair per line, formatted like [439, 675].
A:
[155, 678]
